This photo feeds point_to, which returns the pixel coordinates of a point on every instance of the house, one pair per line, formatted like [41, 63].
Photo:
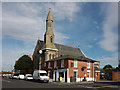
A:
[69, 66]
[31, 57]
[116, 75]
[97, 73]
[110, 74]
[61, 60]
[97, 64]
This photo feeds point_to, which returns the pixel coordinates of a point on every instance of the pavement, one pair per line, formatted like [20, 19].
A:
[13, 83]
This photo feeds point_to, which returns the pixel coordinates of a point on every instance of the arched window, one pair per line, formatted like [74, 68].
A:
[53, 56]
[51, 39]
[50, 56]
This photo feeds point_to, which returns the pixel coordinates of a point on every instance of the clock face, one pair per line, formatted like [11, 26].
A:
[40, 51]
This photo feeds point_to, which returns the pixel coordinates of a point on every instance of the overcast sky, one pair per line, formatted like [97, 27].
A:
[91, 26]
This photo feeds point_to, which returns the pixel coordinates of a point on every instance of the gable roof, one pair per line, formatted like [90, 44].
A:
[66, 57]
[69, 50]
[62, 49]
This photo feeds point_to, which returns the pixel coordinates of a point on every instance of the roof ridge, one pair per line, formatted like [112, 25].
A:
[66, 45]
[63, 45]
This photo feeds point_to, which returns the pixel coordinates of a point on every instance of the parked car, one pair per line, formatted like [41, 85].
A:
[40, 75]
[14, 76]
[11, 76]
[21, 76]
[28, 77]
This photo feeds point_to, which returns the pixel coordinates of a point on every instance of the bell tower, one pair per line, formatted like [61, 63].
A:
[49, 48]
[49, 36]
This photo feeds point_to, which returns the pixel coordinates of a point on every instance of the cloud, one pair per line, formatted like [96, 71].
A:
[95, 39]
[26, 21]
[113, 60]
[90, 46]
[11, 55]
[95, 22]
[0, 36]
[64, 10]
[110, 37]
[97, 25]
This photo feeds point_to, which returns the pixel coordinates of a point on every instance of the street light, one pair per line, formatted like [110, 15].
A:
[40, 51]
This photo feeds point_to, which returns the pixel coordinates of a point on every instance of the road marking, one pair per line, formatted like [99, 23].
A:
[6, 81]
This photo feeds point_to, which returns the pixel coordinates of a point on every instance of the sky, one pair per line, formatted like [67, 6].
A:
[91, 26]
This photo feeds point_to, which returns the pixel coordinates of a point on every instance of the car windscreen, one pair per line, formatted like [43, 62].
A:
[43, 74]
[16, 74]
[29, 76]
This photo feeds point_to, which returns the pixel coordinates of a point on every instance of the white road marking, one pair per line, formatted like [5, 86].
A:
[6, 81]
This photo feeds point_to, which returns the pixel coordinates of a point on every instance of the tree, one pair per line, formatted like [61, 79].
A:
[24, 63]
[107, 66]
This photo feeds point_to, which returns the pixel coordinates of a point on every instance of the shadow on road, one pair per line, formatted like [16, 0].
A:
[110, 83]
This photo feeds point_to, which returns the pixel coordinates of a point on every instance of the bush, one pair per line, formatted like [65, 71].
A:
[72, 79]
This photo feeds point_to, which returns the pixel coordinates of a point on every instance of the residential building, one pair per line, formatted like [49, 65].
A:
[69, 66]
[31, 57]
[97, 64]
[116, 75]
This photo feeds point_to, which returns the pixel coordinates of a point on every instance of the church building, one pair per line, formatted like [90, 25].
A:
[60, 60]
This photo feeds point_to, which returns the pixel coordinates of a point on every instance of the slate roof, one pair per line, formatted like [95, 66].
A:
[66, 57]
[62, 49]
[67, 52]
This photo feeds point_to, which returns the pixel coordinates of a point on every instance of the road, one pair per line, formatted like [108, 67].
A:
[13, 83]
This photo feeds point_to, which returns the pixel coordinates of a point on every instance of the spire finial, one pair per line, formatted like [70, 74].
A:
[49, 17]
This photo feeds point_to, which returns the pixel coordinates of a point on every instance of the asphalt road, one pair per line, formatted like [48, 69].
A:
[13, 83]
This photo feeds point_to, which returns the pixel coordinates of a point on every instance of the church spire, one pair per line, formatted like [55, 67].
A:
[49, 35]
[49, 17]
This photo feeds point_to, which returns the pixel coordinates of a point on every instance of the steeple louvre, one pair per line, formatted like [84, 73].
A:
[49, 17]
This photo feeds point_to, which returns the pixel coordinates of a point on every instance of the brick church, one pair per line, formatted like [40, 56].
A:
[62, 60]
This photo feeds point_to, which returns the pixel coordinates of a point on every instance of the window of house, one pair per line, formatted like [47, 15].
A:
[62, 63]
[48, 64]
[88, 74]
[96, 74]
[53, 56]
[50, 56]
[71, 64]
[51, 39]
[75, 63]
[49, 74]
[55, 64]
[88, 65]
[74, 74]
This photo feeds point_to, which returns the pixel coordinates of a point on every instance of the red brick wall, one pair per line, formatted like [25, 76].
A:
[116, 76]
[97, 77]
[58, 65]
[80, 72]
[71, 72]
[91, 69]
[67, 64]
[80, 64]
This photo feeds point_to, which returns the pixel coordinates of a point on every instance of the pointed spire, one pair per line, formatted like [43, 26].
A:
[49, 17]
